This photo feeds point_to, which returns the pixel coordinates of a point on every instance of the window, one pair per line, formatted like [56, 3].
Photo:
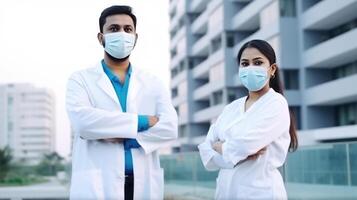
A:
[287, 8]
[309, 3]
[346, 114]
[174, 92]
[230, 41]
[291, 79]
[217, 98]
[216, 44]
[345, 70]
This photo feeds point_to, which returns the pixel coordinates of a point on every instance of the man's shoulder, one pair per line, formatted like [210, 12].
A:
[84, 72]
[146, 76]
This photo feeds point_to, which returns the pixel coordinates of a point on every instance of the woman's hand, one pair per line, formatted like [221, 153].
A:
[217, 146]
[254, 156]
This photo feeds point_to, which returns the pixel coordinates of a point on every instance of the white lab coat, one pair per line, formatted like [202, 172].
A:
[95, 113]
[265, 124]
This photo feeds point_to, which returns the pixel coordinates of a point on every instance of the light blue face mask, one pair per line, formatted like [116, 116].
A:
[254, 78]
[119, 44]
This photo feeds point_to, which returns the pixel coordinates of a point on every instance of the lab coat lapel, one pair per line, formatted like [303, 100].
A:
[135, 86]
[105, 84]
[245, 114]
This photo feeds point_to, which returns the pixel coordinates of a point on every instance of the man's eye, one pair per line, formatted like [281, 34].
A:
[113, 29]
[128, 30]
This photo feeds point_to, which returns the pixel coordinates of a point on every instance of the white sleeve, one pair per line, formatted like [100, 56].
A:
[210, 158]
[165, 131]
[93, 123]
[273, 122]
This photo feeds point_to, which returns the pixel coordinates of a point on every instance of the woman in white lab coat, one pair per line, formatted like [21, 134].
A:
[252, 136]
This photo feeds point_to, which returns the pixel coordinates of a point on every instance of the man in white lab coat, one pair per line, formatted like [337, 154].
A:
[121, 116]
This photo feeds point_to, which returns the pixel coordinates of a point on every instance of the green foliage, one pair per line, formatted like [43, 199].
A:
[5, 159]
[50, 164]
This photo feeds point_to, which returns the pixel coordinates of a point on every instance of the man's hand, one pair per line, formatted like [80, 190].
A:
[153, 120]
[112, 140]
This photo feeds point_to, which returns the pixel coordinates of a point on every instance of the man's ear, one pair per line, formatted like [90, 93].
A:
[136, 38]
[100, 38]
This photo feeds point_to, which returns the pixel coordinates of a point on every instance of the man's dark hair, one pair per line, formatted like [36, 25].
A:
[115, 10]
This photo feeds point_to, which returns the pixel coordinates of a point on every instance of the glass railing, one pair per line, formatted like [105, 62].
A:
[319, 172]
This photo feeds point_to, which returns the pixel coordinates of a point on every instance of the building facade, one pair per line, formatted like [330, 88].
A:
[315, 43]
[27, 121]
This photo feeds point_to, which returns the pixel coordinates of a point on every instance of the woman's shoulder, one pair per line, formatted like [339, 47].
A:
[235, 103]
[279, 98]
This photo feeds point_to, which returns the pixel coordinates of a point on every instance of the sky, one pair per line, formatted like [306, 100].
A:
[43, 41]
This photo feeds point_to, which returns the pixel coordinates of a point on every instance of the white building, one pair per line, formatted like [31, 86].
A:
[315, 42]
[27, 121]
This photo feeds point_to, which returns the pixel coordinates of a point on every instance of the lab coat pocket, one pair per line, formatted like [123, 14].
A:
[87, 184]
[157, 184]
[254, 193]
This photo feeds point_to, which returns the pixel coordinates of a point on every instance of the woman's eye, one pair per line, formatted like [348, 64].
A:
[258, 62]
[128, 30]
[244, 64]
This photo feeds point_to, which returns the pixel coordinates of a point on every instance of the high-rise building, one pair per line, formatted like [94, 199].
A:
[315, 42]
[27, 121]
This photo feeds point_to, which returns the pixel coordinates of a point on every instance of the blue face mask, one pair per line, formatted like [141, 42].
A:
[254, 78]
[119, 44]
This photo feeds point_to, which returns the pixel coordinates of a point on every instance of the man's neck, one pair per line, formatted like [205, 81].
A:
[117, 67]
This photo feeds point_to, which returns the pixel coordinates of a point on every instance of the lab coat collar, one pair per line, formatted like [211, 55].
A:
[104, 83]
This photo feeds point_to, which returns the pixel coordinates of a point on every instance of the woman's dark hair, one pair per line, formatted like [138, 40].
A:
[275, 83]
[115, 10]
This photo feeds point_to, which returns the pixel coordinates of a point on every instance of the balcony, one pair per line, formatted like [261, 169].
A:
[344, 91]
[328, 14]
[335, 133]
[248, 18]
[333, 52]
[201, 47]
[178, 100]
[206, 115]
[177, 59]
[198, 5]
[264, 33]
[204, 91]
[199, 26]
[180, 34]
[178, 78]
[202, 69]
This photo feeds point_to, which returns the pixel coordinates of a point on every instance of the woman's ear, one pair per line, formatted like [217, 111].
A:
[273, 69]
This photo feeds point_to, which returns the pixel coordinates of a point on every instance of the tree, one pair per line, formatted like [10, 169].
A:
[50, 164]
[5, 159]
